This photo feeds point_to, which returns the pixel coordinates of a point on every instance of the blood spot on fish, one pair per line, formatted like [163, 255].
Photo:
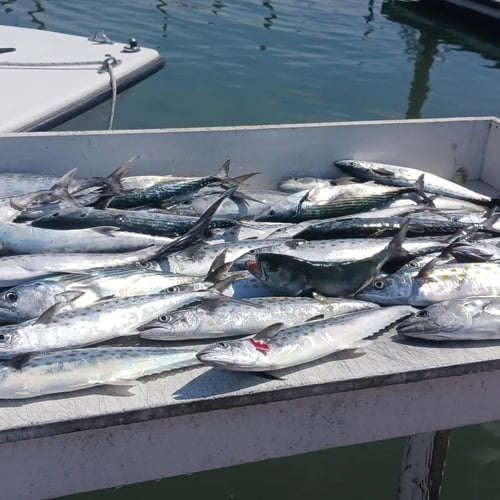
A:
[260, 345]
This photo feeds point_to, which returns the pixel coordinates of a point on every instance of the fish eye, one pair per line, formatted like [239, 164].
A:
[223, 345]
[422, 314]
[5, 337]
[173, 289]
[11, 296]
[164, 318]
[379, 284]
[272, 268]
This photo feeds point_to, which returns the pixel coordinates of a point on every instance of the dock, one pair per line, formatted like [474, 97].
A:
[202, 418]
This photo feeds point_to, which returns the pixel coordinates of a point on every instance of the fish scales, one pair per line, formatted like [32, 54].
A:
[231, 318]
[89, 325]
[74, 369]
[301, 344]
[444, 282]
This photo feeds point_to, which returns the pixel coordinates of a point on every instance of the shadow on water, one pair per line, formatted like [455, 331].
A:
[424, 29]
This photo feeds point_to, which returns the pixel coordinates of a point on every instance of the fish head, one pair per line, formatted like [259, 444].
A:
[183, 321]
[235, 355]
[455, 319]
[390, 289]
[25, 301]
[278, 272]
[286, 210]
[10, 343]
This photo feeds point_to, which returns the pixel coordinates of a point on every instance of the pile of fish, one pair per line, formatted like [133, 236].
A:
[284, 276]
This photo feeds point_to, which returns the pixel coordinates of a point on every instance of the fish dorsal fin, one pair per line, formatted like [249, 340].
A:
[46, 317]
[223, 172]
[69, 296]
[395, 248]
[64, 181]
[383, 171]
[219, 266]
[426, 270]
[269, 332]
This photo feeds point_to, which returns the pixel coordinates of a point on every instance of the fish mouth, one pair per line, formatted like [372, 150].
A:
[415, 326]
[254, 268]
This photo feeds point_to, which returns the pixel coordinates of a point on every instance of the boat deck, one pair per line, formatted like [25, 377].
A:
[52, 77]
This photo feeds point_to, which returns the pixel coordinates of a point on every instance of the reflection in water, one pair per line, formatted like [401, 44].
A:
[38, 9]
[8, 10]
[435, 28]
[268, 20]
[162, 7]
[369, 18]
[217, 7]
[420, 84]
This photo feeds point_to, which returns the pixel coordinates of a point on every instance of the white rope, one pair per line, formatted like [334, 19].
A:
[106, 65]
[49, 64]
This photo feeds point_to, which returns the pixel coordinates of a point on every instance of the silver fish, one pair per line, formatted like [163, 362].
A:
[89, 325]
[29, 300]
[25, 239]
[74, 369]
[274, 348]
[472, 318]
[231, 318]
[395, 175]
[19, 268]
[435, 284]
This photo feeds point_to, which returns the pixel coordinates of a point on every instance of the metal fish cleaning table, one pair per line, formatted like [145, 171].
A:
[199, 419]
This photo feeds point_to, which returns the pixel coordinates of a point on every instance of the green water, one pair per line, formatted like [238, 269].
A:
[289, 61]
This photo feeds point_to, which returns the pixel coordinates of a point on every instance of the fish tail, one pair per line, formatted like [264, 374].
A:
[113, 181]
[419, 189]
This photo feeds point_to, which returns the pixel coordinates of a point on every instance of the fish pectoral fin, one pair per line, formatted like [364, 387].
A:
[120, 390]
[18, 362]
[106, 230]
[269, 331]
[267, 376]
[384, 172]
[315, 318]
